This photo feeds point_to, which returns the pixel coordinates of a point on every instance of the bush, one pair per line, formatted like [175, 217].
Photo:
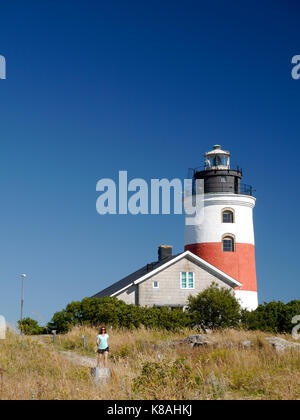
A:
[29, 326]
[61, 322]
[115, 312]
[164, 318]
[90, 311]
[273, 317]
[156, 380]
[214, 308]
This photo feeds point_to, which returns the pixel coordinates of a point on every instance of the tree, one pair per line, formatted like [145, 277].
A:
[273, 316]
[30, 326]
[112, 311]
[61, 322]
[214, 308]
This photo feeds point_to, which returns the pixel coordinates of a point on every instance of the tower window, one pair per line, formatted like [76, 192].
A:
[228, 244]
[227, 216]
[155, 285]
[223, 179]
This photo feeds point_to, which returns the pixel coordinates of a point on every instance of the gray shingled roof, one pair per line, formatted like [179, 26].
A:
[127, 281]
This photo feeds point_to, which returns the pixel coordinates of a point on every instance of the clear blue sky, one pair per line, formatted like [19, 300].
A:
[94, 87]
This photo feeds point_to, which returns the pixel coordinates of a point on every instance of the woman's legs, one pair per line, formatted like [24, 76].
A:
[99, 359]
[105, 358]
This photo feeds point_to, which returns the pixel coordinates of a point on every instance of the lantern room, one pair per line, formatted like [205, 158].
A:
[217, 158]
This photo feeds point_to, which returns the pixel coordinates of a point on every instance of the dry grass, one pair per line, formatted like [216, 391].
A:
[143, 367]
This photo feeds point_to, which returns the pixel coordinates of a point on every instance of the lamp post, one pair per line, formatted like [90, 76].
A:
[23, 276]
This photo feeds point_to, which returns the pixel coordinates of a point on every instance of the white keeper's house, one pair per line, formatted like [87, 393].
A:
[220, 249]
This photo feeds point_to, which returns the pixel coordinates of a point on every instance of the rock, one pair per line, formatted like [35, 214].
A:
[194, 339]
[281, 345]
[197, 341]
[100, 375]
[245, 344]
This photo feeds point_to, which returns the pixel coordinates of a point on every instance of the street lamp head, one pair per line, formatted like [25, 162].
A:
[24, 276]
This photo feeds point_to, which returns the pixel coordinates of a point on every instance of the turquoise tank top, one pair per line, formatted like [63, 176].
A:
[103, 341]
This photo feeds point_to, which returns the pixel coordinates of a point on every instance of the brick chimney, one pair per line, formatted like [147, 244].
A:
[164, 251]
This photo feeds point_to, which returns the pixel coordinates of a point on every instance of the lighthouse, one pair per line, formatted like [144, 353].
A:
[225, 235]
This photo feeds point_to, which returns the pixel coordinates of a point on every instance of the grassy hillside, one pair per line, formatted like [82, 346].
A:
[145, 366]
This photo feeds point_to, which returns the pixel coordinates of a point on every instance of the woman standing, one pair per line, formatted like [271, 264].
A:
[102, 345]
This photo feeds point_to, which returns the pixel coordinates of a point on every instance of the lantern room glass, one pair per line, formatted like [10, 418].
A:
[217, 161]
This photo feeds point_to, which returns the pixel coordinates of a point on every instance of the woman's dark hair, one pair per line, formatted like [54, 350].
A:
[102, 329]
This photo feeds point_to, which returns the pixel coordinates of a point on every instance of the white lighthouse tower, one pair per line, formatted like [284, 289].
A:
[225, 235]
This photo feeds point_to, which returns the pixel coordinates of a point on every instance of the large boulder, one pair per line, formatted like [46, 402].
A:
[194, 339]
[281, 345]
[197, 341]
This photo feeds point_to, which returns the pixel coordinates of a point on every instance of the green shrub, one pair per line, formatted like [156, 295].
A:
[273, 317]
[214, 308]
[156, 378]
[115, 312]
[29, 326]
[164, 318]
[61, 322]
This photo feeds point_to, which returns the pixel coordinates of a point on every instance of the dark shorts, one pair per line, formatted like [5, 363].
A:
[100, 351]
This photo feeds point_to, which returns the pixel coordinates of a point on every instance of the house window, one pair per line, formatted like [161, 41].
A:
[187, 280]
[228, 244]
[155, 285]
[227, 216]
